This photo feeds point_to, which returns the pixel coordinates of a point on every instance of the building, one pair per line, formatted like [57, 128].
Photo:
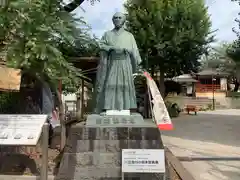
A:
[211, 82]
[188, 84]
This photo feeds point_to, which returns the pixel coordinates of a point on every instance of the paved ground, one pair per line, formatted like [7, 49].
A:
[208, 134]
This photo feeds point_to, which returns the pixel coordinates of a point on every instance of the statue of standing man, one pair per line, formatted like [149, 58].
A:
[119, 59]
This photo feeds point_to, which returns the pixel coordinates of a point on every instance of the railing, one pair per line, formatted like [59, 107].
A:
[207, 87]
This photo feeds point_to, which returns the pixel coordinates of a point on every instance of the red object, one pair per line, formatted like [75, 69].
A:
[166, 127]
[54, 115]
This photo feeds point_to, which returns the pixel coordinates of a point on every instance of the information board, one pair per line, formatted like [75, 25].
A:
[143, 161]
[21, 129]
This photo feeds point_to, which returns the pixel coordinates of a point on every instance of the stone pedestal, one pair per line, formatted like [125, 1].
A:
[94, 153]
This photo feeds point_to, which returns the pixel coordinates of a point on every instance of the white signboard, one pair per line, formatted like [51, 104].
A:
[143, 161]
[21, 129]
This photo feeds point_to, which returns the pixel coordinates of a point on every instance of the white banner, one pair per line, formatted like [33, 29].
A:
[159, 110]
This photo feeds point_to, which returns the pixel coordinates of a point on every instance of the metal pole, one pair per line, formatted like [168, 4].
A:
[213, 98]
[82, 99]
[45, 136]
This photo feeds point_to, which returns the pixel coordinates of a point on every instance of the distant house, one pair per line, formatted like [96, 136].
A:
[210, 81]
[188, 84]
[204, 83]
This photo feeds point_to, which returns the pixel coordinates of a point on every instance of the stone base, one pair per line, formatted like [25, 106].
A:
[95, 153]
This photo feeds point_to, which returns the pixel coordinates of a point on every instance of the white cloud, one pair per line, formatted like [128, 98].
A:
[223, 13]
[99, 16]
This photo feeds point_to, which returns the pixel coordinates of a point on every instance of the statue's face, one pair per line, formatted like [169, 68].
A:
[118, 20]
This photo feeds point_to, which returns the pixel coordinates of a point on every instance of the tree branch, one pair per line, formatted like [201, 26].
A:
[73, 5]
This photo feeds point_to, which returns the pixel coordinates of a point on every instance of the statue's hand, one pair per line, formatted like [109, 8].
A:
[117, 50]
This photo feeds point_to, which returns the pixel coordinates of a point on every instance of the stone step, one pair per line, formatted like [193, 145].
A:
[221, 107]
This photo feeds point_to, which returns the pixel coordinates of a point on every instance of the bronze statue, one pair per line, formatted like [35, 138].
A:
[119, 59]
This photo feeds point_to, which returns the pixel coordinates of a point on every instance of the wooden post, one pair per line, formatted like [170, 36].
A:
[63, 132]
[78, 105]
[61, 117]
[82, 99]
[44, 168]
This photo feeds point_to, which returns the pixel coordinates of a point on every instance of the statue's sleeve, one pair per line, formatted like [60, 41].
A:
[135, 56]
[102, 65]
[104, 46]
[101, 74]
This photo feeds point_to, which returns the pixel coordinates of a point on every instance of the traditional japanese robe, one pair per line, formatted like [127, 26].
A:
[114, 84]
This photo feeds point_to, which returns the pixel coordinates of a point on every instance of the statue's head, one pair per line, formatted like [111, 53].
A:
[118, 19]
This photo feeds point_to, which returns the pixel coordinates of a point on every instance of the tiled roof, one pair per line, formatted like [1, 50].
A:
[208, 72]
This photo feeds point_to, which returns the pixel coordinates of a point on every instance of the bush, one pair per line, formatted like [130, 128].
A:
[172, 87]
[173, 109]
[9, 102]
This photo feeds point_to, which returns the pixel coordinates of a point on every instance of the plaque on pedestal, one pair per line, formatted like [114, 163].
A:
[103, 120]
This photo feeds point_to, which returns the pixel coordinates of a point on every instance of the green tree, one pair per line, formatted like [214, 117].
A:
[32, 34]
[217, 58]
[233, 51]
[171, 35]
[71, 6]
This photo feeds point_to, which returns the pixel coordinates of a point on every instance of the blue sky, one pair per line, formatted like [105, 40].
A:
[223, 13]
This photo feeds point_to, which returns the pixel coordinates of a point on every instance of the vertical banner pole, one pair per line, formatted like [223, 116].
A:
[61, 117]
[150, 101]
